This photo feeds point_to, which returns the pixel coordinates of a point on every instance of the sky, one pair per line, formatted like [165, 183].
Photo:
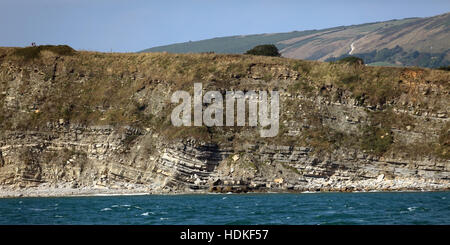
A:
[134, 25]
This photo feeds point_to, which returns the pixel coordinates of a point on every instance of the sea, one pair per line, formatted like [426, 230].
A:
[373, 208]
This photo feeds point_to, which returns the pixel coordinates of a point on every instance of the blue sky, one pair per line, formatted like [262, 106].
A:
[133, 25]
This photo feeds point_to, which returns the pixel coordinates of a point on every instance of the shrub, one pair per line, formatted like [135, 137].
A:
[352, 60]
[265, 50]
[29, 53]
[444, 68]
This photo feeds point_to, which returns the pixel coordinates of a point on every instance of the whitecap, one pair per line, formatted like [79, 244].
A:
[115, 206]
[163, 218]
[412, 209]
[223, 198]
[145, 214]
[125, 205]
[105, 209]
[38, 209]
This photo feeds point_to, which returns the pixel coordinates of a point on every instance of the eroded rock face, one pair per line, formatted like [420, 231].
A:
[98, 157]
[322, 144]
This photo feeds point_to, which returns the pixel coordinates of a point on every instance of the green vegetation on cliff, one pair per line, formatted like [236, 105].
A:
[265, 50]
[29, 53]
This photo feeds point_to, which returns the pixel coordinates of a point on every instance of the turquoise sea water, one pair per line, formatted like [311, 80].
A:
[308, 208]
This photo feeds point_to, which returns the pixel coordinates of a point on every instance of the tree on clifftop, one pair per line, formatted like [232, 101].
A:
[266, 50]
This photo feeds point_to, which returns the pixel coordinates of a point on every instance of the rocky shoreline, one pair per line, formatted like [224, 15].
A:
[65, 190]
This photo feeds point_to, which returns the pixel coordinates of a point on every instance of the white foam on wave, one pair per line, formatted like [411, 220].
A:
[38, 209]
[105, 209]
[145, 214]
[412, 209]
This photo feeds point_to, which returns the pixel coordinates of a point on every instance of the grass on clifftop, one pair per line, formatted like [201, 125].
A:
[30, 53]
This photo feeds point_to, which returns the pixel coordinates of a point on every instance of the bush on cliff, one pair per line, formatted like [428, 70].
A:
[265, 50]
[29, 53]
[444, 68]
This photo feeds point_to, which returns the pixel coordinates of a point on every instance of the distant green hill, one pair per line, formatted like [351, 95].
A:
[408, 42]
[230, 45]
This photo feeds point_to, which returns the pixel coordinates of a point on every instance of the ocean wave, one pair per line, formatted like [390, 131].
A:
[411, 209]
[38, 209]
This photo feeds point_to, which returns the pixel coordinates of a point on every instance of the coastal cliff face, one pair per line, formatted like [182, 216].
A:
[100, 121]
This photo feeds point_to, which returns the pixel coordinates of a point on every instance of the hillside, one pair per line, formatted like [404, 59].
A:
[78, 121]
[408, 42]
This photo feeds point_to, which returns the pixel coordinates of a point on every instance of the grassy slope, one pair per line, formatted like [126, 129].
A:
[240, 44]
[229, 45]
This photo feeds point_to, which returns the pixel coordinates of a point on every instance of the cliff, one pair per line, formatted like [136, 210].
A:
[101, 121]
